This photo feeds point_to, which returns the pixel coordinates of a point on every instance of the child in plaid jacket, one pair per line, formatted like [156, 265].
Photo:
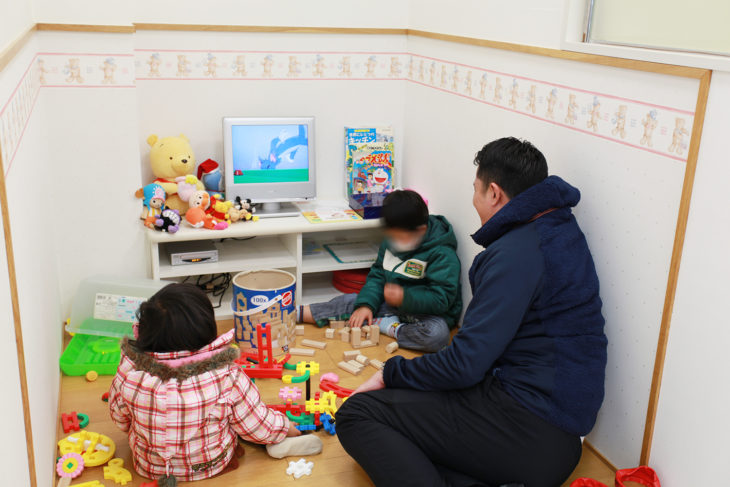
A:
[181, 397]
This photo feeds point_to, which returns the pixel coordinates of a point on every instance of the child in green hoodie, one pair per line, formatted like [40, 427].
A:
[413, 291]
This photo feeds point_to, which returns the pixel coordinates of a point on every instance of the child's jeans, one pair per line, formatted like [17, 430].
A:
[425, 333]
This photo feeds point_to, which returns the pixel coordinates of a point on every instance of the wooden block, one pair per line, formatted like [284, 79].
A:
[356, 364]
[307, 352]
[355, 337]
[374, 334]
[391, 347]
[362, 359]
[299, 330]
[350, 354]
[337, 324]
[365, 344]
[313, 344]
[329, 333]
[349, 368]
[345, 335]
[377, 364]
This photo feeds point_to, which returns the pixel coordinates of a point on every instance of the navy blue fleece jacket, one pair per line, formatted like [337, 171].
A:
[534, 320]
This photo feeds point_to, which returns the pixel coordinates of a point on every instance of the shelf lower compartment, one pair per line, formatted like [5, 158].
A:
[234, 256]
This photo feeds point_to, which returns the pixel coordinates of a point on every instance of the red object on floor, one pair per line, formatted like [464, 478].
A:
[339, 391]
[641, 475]
[105, 397]
[70, 422]
[349, 281]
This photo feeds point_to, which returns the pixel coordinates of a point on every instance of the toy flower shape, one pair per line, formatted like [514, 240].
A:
[70, 465]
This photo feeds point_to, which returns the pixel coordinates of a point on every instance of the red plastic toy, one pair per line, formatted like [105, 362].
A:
[70, 422]
[339, 391]
[267, 367]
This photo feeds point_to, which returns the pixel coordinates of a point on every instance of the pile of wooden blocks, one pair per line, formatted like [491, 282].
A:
[363, 337]
[354, 362]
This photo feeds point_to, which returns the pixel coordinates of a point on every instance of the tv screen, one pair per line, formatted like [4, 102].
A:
[270, 153]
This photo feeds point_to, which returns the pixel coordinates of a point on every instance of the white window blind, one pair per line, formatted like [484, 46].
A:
[686, 25]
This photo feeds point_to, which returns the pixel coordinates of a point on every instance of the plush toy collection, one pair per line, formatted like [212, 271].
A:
[177, 194]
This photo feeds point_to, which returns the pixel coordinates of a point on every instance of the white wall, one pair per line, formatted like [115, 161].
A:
[13, 461]
[692, 426]
[16, 18]
[194, 105]
[534, 22]
[331, 13]
[29, 178]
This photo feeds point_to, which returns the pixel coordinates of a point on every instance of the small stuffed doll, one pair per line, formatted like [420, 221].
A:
[210, 175]
[168, 221]
[153, 200]
[241, 211]
[196, 215]
[186, 186]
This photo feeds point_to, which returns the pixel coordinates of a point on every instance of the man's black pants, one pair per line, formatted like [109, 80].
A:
[476, 436]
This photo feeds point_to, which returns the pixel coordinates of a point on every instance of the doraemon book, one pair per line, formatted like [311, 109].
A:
[369, 160]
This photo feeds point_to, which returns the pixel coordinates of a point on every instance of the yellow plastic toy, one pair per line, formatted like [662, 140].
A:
[96, 449]
[93, 483]
[325, 404]
[115, 472]
[312, 367]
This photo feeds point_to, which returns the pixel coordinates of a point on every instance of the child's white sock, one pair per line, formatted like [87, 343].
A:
[388, 325]
[295, 446]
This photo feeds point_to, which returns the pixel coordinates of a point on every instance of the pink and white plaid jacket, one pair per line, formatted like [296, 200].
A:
[183, 410]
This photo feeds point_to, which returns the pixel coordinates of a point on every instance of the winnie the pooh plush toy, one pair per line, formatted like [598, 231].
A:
[171, 160]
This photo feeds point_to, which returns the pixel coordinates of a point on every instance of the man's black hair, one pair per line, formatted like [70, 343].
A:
[513, 164]
[177, 317]
[404, 209]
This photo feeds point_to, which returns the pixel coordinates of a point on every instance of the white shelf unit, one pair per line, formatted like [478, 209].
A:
[274, 243]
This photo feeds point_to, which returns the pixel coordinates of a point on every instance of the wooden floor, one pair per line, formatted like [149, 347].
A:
[333, 467]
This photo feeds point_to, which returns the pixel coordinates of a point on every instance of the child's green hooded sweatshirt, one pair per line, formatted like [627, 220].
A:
[430, 275]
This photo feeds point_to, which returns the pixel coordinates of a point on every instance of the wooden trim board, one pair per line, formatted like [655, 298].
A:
[270, 29]
[679, 234]
[112, 29]
[17, 325]
[14, 47]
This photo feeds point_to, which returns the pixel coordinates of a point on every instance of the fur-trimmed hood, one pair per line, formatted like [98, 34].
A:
[184, 364]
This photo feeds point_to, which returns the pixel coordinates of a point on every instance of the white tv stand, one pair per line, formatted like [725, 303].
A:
[268, 243]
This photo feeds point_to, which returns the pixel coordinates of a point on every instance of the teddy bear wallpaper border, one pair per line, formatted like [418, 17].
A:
[659, 129]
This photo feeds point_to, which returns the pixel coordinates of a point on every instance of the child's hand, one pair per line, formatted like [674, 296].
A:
[360, 316]
[374, 383]
[293, 431]
[393, 294]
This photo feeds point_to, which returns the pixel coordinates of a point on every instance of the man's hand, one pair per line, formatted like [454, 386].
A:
[374, 383]
[393, 294]
[360, 316]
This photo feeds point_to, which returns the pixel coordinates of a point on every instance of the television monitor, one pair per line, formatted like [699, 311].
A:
[271, 161]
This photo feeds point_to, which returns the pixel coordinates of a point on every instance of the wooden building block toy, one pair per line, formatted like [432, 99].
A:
[362, 359]
[345, 334]
[114, 471]
[377, 364]
[313, 344]
[329, 333]
[299, 330]
[374, 334]
[391, 347]
[306, 352]
[350, 354]
[70, 422]
[348, 368]
[337, 324]
[366, 344]
[357, 364]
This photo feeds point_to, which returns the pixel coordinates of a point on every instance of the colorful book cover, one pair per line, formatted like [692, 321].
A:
[370, 166]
